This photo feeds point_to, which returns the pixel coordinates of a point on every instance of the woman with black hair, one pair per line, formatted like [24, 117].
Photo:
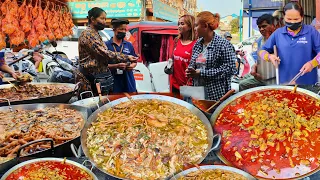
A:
[298, 47]
[94, 55]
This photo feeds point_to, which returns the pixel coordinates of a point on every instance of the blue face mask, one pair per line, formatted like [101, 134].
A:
[294, 26]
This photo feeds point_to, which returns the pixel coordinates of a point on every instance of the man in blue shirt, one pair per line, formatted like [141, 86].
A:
[266, 24]
[122, 72]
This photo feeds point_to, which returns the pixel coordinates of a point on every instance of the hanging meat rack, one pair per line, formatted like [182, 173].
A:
[30, 22]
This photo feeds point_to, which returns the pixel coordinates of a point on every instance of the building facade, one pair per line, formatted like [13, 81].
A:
[259, 7]
[134, 10]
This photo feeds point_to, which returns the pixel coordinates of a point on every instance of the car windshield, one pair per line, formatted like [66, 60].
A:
[109, 32]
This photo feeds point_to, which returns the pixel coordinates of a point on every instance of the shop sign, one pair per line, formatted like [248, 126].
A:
[164, 11]
[114, 8]
[263, 4]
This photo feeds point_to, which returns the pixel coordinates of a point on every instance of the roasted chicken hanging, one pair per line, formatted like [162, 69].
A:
[22, 9]
[55, 19]
[2, 35]
[68, 22]
[17, 37]
[58, 32]
[9, 23]
[26, 20]
[39, 24]
[2, 40]
[46, 11]
[14, 7]
[4, 7]
[33, 38]
[35, 10]
[34, 23]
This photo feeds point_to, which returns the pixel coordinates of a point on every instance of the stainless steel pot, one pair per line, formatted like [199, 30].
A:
[213, 146]
[60, 150]
[62, 98]
[92, 103]
[233, 98]
[211, 167]
[26, 163]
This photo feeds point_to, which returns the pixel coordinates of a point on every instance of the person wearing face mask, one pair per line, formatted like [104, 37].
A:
[298, 47]
[122, 72]
[94, 55]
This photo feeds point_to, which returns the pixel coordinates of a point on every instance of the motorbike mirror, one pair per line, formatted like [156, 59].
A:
[53, 43]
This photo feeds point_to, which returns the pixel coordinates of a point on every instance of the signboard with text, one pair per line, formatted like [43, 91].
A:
[114, 8]
[164, 11]
[263, 3]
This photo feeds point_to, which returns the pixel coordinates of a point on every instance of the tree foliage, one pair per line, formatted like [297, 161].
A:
[234, 26]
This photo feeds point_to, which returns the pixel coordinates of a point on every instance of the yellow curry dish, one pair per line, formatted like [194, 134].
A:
[212, 174]
[146, 139]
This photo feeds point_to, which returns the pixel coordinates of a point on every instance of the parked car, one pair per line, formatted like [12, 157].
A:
[69, 45]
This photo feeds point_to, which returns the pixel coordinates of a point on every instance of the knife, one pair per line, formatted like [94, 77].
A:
[275, 52]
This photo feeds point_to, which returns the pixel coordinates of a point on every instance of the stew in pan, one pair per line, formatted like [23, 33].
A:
[30, 91]
[271, 133]
[49, 170]
[22, 126]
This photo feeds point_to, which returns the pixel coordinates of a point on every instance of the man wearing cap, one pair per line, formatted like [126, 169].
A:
[228, 36]
[122, 72]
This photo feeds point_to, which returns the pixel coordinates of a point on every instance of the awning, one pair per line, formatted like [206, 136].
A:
[162, 31]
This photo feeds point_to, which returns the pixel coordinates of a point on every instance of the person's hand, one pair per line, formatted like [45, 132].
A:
[133, 58]
[254, 72]
[14, 75]
[132, 66]
[190, 72]
[37, 57]
[274, 59]
[306, 68]
[122, 66]
[1, 76]
[292, 83]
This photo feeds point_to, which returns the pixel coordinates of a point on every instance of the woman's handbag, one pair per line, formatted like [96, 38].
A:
[105, 80]
[169, 67]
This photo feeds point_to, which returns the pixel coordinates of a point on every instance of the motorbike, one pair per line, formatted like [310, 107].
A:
[58, 69]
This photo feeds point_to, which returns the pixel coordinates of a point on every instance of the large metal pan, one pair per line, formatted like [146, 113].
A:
[60, 150]
[213, 146]
[94, 103]
[211, 167]
[26, 163]
[217, 112]
[62, 98]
